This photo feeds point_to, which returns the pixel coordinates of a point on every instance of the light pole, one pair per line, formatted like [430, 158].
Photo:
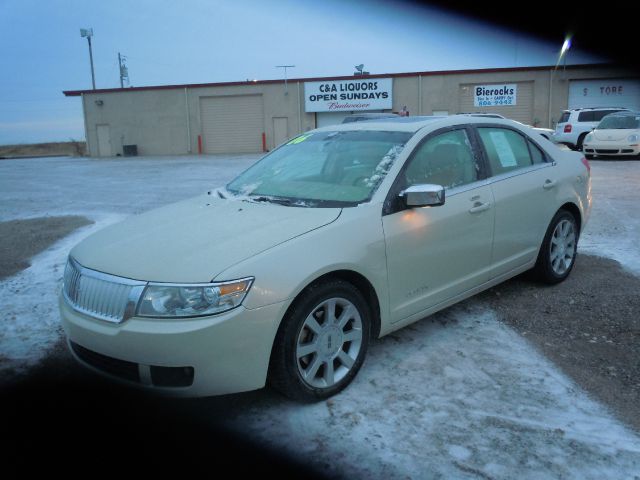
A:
[88, 33]
[563, 52]
[124, 71]
[286, 92]
[562, 56]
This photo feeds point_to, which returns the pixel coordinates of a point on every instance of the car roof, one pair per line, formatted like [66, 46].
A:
[624, 113]
[596, 108]
[373, 114]
[413, 124]
[482, 114]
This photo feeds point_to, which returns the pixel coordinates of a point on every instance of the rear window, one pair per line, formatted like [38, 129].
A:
[586, 116]
[600, 114]
[564, 118]
[594, 115]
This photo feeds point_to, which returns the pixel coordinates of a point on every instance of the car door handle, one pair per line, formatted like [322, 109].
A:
[549, 184]
[479, 207]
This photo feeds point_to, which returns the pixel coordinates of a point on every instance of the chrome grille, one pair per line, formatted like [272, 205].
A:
[103, 296]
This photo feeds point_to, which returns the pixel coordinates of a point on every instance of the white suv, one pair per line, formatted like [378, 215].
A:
[575, 124]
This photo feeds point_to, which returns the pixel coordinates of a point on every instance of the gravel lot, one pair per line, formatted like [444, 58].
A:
[491, 388]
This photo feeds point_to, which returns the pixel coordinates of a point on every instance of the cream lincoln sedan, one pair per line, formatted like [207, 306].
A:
[341, 235]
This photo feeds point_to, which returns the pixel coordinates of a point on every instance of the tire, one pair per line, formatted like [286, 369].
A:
[559, 248]
[314, 356]
[580, 142]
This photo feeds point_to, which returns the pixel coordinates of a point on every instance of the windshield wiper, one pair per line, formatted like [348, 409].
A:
[279, 200]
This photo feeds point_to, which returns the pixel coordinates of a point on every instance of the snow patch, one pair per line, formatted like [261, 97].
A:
[383, 166]
[30, 319]
[462, 396]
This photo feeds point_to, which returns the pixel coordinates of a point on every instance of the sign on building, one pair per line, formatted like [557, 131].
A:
[498, 95]
[612, 92]
[348, 95]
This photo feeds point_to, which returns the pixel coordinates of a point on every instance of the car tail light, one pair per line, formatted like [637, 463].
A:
[567, 128]
[585, 162]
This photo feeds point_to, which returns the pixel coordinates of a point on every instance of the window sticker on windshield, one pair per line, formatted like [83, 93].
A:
[299, 139]
[503, 149]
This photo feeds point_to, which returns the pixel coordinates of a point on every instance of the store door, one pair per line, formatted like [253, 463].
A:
[280, 130]
[104, 141]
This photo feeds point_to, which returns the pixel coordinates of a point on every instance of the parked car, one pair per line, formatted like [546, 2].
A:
[617, 134]
[360, 117]
[339, 236]
[574, 125]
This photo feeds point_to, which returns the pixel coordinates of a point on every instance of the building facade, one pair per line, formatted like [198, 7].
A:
[256, 116]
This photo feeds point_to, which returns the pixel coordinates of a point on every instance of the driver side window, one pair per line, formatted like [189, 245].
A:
[446, 159]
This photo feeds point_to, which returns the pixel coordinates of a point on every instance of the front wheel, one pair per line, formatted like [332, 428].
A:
[321, 343]
[559, 249]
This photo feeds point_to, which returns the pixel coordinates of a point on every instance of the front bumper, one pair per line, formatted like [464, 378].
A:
[610, 149]
[226, 353]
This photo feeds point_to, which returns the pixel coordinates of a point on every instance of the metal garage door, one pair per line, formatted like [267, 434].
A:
[232, 124]
[605, 93]
[522, 111]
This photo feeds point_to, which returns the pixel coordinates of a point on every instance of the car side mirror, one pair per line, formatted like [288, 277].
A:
[424, 195]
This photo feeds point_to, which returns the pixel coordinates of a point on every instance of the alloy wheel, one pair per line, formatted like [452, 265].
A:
[563, 247]
[329, 343]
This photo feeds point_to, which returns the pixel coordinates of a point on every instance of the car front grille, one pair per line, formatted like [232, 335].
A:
[605, 151]
[106, 297]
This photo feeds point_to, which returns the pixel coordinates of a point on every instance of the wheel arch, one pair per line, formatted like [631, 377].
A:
[359, 281]
[573, 209]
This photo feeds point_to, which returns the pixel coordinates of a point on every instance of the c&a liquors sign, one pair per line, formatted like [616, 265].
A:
[348, 95]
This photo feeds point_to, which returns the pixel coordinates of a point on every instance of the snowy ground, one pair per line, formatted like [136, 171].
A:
[614, 227]
[457, 396]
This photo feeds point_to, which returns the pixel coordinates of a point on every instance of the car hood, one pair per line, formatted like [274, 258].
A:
[613, 135]
[194, 240]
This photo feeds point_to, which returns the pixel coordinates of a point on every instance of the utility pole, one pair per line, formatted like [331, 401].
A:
[124, 71]
[286, 92]
[88, 33]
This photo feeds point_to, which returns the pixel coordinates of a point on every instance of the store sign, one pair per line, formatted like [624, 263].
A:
[348, 95]
[604, 90]
[498, 95]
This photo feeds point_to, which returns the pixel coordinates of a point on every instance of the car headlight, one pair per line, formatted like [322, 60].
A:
[633, 138]
[192, 300]
[588, 138]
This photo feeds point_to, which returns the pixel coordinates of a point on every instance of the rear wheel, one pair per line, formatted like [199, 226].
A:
[559, 249]
[321, 343]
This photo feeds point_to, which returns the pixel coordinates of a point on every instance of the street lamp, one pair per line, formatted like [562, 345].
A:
[563, 55]
[88, 33]
[563, 52]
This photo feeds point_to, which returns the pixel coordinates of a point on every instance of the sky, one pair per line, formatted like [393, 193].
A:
[204, 41]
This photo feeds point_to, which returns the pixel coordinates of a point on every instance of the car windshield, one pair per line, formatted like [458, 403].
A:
[620, 122]
[336, 168]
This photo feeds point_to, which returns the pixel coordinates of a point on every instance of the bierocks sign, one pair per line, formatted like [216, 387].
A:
[348, 95]
[498, 95]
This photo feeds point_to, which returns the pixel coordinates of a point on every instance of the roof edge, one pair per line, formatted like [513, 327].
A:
[77, 93]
